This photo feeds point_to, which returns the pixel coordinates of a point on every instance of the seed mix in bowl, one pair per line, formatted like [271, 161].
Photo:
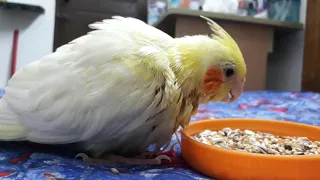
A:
[258, 142]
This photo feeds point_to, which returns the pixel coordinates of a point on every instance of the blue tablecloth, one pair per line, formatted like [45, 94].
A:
[25, 161]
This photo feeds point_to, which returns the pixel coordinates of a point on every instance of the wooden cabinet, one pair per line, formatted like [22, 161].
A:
[311, 62]
[73, 16]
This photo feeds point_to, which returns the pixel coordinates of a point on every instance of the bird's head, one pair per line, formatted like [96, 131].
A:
[214, 63]
[224, 77]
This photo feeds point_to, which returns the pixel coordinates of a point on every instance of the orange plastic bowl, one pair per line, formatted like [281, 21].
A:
[233, 165]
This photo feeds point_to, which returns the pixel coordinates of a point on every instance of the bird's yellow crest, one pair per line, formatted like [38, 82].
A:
[220, 35]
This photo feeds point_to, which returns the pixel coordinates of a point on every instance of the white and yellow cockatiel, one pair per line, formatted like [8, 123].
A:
[121, 88]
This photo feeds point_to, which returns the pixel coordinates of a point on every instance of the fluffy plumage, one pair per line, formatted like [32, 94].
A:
[120, 88]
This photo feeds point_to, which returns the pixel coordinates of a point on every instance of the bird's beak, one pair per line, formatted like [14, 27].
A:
[236, 90]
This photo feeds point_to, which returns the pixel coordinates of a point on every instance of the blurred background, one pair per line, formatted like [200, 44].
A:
[272, 34]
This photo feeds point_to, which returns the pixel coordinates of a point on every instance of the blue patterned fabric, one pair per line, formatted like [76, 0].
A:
[27, 161]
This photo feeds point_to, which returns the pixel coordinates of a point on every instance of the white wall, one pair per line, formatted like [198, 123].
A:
[36, 33]
[285, 64]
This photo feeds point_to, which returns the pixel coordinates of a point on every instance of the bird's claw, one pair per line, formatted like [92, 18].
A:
[163, 157]
[82, 156]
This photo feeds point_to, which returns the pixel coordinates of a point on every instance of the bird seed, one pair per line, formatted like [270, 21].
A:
[114, 171]
[258, 142]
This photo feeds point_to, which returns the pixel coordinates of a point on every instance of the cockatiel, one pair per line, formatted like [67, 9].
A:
[121, 88]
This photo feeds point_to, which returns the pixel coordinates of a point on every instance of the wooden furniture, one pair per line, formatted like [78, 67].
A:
[73, 16]
[254, 36]
[311, 62]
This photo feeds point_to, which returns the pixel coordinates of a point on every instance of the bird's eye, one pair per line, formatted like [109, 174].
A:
[228, 72]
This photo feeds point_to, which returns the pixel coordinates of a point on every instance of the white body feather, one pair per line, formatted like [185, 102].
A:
[101, 90]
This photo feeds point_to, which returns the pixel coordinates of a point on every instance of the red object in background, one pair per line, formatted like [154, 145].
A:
[240, 4]
[186, 3]
[14, 52]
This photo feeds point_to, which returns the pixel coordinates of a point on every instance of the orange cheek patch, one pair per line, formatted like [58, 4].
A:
[212, 80]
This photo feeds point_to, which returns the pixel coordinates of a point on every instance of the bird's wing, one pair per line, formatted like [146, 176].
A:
[111, 80]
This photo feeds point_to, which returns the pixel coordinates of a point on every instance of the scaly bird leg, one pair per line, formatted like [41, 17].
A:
[114, 159]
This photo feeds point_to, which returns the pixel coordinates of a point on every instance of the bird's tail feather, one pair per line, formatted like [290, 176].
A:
[10, 128]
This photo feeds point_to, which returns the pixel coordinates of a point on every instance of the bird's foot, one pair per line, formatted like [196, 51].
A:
[115, 159]
[169, 153]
